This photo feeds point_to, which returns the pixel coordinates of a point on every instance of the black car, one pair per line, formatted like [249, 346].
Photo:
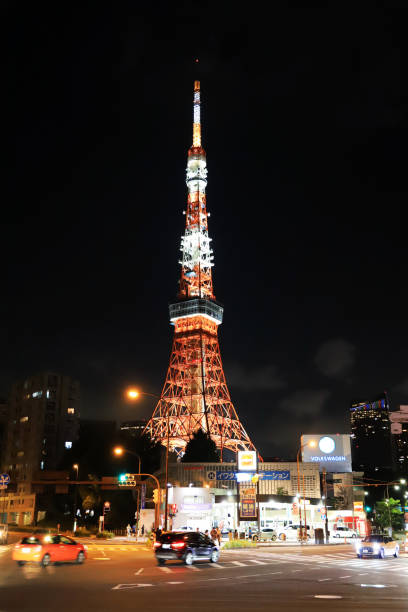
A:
[186, 547]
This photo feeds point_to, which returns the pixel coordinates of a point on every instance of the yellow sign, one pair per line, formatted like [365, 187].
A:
[358, 506]
[247, 461]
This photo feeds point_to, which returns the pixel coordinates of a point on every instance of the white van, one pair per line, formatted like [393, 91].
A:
[344, 532]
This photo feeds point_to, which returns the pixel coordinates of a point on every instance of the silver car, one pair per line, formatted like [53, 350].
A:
[265, 535]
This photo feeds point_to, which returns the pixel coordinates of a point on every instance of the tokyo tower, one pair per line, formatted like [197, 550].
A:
[195, 393]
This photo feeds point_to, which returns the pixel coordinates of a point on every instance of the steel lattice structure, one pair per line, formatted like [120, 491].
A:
[195, 393]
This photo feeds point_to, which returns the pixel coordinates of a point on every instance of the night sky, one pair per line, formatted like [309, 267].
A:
[304, 116]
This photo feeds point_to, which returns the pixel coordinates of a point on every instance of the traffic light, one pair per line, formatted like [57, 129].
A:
[126, 480]
[368, 508]
[155, 496]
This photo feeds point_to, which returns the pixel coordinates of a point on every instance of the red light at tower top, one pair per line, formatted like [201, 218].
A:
[195, 393]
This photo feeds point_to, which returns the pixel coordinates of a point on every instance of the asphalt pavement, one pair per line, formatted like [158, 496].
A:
[126, 577]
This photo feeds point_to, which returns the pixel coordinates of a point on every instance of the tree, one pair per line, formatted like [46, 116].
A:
[384, 510]
[201, 448]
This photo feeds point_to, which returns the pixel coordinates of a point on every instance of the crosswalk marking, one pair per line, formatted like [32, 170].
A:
[239, 563]
[193, 567]
[258, 562]
[217, 565]
[165, 569]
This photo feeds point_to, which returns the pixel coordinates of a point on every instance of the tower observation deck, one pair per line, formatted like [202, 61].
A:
[195, 393]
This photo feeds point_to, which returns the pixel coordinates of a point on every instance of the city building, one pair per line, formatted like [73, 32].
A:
[371, 435]
[133, 429]
[17, 508]
[195, 393]
[203, 494]
[43, 423]
[399, 433]
[3, 427]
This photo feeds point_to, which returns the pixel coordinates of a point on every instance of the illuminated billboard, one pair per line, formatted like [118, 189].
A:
[247, 461]
[329, 451]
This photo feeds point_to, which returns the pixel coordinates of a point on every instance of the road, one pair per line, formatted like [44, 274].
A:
[126, 577]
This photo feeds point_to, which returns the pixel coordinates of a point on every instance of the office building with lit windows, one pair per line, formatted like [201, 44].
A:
[43, 423]
[371, 435]
[399, 433]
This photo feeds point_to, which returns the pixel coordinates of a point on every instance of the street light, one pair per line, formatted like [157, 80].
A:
[311, 444]
[133, 393]
[76, 468]
[119, 451]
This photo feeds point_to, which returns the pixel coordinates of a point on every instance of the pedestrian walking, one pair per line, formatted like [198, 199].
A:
[219, 536]
[158, 533]
[142, 530]
[214, 534]
[128, 531]
[249, 533]
[206, 533]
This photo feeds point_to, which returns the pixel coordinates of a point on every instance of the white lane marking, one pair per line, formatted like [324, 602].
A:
[139, 571]
[328, 597]
[175, 583]
[192, 567]
[132, 585]
[365, 574]
[166, 569]
[323, 579]
[101, 558]
[345, 576]
[274, 573]
[258, 562]
[296, 571]
[217, 565]
[239, 563]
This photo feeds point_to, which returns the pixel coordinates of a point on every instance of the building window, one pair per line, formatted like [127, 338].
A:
[37, 394]
[71, 410]
[24, 419]
[20, 453]
[41, 465]
[68, 444]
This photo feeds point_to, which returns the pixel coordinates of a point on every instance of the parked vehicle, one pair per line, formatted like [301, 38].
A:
[265, 535]
[187, 547]
[292, 533]
[344, 532]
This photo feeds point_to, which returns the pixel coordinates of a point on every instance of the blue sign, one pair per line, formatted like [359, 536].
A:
[4, 479]
[263, 475]
[226, 476]
[274, 475]
[143, 497]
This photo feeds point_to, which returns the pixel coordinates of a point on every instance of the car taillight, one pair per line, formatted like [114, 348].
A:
[177, 545]
[157, 544]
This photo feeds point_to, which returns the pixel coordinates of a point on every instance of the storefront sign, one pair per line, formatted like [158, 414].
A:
[358, 506]
[224, 475]
[246, 461]
[274, 475]
[330, 451]
[247, 504]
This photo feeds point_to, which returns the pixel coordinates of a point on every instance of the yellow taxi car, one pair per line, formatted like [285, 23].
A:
[379, 546]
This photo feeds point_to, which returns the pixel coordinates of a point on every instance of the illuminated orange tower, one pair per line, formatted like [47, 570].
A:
[195, 393]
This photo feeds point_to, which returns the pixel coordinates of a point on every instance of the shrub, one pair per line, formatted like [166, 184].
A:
[239, 544]
[105, 534]
[81, 532]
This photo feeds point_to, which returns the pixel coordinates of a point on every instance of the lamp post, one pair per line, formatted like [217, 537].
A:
[133, 394]
[311, 444]
[119, 451]
[76, 468]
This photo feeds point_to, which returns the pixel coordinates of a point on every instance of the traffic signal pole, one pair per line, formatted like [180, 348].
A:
[132, 479]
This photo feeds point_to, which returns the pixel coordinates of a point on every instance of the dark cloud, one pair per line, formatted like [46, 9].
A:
[249, 378]
[335, 358]
[307, 402]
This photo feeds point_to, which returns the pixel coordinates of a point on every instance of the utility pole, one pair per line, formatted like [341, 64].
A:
[326, 521]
